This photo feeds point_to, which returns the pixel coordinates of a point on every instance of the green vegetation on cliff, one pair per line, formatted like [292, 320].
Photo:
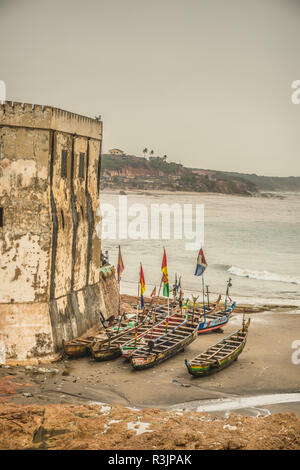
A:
[131, 172]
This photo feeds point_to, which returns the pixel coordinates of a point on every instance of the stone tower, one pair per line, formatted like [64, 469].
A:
[50, 283]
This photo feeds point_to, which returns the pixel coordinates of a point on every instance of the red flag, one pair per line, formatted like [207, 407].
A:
[120, 265]
[165, 277]
[164, 262]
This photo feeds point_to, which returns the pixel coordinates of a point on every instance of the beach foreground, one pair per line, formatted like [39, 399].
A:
[68, 404]
[95, 427]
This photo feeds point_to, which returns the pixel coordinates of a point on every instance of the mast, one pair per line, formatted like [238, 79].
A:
[207, 295]
[227, 292]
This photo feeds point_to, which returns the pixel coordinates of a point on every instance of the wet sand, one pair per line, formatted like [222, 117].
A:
[264, 367]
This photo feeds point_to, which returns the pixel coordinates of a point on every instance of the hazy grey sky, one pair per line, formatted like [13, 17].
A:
[207, 82]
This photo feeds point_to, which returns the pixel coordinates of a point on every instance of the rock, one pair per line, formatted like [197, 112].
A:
[42, 370]
[27, 394]
[185, 385]
[231, 428]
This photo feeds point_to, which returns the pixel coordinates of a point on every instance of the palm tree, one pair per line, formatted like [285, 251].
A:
[152, 152]
[145, 151]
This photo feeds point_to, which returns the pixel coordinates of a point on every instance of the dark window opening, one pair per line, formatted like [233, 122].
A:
[62, 219]
[1, 216]
[64, 164]
[81, 165]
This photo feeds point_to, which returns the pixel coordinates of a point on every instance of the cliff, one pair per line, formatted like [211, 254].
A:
[128, 172]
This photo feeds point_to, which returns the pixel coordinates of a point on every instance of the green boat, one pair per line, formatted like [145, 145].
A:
[221, 355]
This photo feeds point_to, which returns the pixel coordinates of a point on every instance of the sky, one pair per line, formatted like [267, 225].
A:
[206, 82]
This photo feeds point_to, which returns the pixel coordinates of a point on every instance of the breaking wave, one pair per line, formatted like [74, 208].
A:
[261, 275]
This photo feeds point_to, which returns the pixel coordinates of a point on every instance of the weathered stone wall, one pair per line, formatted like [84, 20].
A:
[50, 286]
[69, 313]
[26, 331]
[80, 239]
[25, 238]
[35, 330]
[94, 248]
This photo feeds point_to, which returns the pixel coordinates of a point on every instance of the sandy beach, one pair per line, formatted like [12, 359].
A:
[260, 378]
[264, 367]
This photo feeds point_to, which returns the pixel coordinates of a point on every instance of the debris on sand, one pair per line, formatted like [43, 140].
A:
[97, 427]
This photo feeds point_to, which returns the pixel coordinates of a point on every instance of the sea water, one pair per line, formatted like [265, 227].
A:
[253, 240]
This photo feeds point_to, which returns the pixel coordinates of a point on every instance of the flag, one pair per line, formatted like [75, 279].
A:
[143, 286]
[153, 293]
[201, 263]
[120, 265]
[165, 278]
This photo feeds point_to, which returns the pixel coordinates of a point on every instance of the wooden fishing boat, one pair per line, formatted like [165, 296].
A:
[220, 355]
[167, 345]
[215, 319]
[110, 348]
[79, 347]
[159, 329]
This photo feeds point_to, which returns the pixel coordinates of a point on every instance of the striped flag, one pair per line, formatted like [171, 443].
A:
[201, 263]
[165, 278]
[120, 264]
[143, 285]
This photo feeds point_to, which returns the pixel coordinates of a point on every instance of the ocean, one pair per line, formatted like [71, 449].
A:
[253, 240]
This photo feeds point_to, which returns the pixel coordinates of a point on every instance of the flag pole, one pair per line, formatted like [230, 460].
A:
[207, 295]
[160, 286]
[203, 296]
[227, 292]
[137, 303]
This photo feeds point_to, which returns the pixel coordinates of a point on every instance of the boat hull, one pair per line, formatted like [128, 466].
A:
[213, 324]
[200, 371]
[131, 346]
[76, 350]
[220, 355]
[155, 359]
[107, 354]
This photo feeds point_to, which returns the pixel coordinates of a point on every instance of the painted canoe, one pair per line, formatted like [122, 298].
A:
[110, 348]
[79, 347]
[159, 329]
[221, 355]
[215, 319]
[167, 345]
